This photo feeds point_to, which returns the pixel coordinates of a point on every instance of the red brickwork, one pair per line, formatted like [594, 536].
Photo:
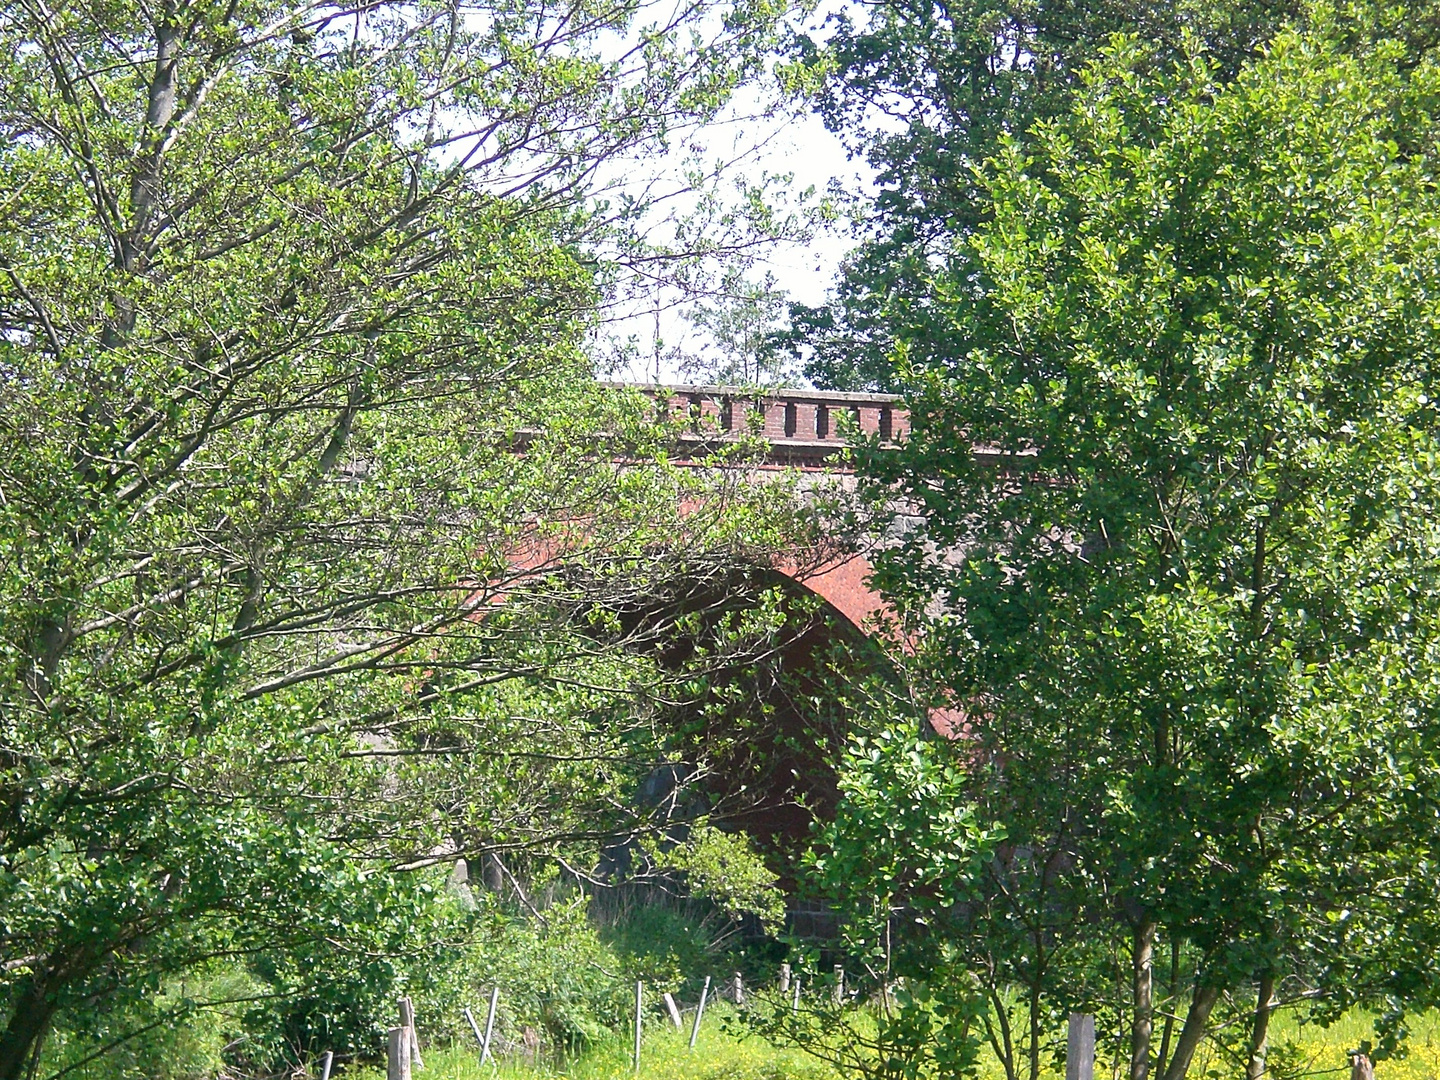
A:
[805, 428]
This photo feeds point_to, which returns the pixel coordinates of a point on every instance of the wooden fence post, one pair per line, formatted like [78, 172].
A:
[839, 983]
[695, 1027]
[795, 1005]
[397, 1064]
[639, 1002]
[407, 1020]
[739, 989]
[784, 978]
[673, 1010]
[1080, 1047]
[1361, 1069]
[325, 1062]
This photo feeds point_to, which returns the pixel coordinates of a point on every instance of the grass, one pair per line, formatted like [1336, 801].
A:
[665, 1055]
[720, 1054]
[1317, 1052]
[1304, 1051]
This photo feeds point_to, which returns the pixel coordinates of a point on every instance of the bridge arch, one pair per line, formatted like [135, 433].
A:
[778, 778]
[770, 725]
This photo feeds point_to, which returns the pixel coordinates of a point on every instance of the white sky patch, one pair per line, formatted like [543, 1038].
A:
[647, 337]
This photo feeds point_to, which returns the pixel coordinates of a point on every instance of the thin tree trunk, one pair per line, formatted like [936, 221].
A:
[1142, 999]
[1035, 1029]
[1194, 1030]
[28, 1024]
[1004, 1047]
[1172, 987]
[1260, 1029]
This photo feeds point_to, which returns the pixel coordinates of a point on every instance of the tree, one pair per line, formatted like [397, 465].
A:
[740, 327]
[925, 91]
[1185, 461]
[283, 290]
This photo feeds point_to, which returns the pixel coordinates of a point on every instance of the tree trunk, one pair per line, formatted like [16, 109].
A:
[1260, 1029]
[1172, 987]
[28, 1024]
[1035, 1030]
[1193, 1031]
[1142, 999]
[160, 110]
[1004, 1046]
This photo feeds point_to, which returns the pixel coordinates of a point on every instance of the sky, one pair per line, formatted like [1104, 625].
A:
[777, 144]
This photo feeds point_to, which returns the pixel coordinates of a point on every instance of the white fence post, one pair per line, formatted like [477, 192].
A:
[1080, 1047]
[639, 1002]
[673, 1010]
[695, 1027]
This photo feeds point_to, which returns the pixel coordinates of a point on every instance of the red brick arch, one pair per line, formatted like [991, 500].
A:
[844, 584]
[805, 430]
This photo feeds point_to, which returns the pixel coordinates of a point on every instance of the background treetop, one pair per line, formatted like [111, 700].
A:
[925, 92]
[1193, 614]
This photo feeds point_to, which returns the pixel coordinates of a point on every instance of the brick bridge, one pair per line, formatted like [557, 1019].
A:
[781, 775]
[790, 773]
[805, 430]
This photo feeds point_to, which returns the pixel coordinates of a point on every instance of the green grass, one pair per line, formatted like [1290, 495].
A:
[1298, 1050]
[1323, 1052]
[665, 1055]
[722, 1055]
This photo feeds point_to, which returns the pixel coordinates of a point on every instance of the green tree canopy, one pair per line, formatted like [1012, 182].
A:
[926, 91]
[1184, 459]
[293, 418]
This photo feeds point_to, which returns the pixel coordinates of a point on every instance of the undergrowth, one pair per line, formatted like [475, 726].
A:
[665, 1055]
[720, 1054]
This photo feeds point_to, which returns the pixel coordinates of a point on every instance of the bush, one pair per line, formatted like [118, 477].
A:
[168, 1035]
[568, 980]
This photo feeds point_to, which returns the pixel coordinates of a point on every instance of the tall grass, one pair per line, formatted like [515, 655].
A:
[723, 1054]
[665, 1055]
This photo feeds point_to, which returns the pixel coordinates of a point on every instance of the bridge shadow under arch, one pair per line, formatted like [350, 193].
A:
[762, 732]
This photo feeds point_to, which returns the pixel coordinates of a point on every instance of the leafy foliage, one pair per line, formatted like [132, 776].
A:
[927, 91]
[1184, 460]
[306, 494]
[723, 867]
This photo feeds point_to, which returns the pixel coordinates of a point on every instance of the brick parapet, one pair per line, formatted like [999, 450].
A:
[805, 428]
